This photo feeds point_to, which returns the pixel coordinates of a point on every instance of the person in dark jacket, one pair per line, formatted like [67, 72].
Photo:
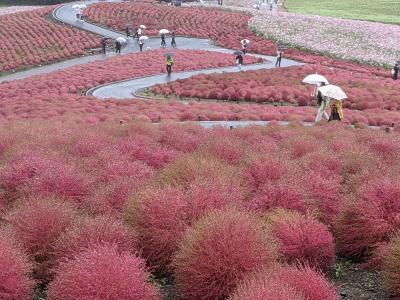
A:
[239, 60]
[141, 45]
[395, 71]
[118, 47]
[278, 58]
[163, 44]
[136, 35]
[103, 45]
[127, 31]
[173, 42]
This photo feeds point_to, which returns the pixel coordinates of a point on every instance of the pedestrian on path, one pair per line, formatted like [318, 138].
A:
[139, 33]
[173, 43]
[220, 2]
[127, 31]
[163, 43]
[239, 60]
[395, 71]
[323, 103]
[279, 54]
[103, 45]
[170, 63]
[337, 111]
[141, 45]
[136, 35]
[118, 47]
[244, 46]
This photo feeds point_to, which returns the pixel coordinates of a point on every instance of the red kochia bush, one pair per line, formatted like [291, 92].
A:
[391, 266]
[371, 219]
[88, 232]
[37, 224]
[217, 252]
[302, 282]
[301, 239]
[160, 215]
[15, 270]
[102, 273]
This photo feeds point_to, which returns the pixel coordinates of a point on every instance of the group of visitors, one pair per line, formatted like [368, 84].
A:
[164, 43]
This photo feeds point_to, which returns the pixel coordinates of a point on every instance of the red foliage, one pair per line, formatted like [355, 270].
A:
[15, 270]
[301, 239]
[300, 282]
[46, 42]
[391, 266]
[161, 215]
[217, 252]
[88, 232]
[102, 273]
[371, 219]
[38, 223]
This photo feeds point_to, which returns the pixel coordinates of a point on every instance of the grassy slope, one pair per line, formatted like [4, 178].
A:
[376, 10]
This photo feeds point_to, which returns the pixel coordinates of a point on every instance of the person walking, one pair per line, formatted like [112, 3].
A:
[244, 46]
[337, 111]
[170, 63]
[278, 58]
[395, 71]
[173, 42]
[103, 45]
[127, 31]
[239, 60]
[139, 33]
[141, 45]
[118, 47]
[323, 103]
[163, 44]
[136, 35]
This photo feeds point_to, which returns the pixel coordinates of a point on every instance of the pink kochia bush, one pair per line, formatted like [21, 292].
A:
[371, 219]
[87, 232]
[285, 283]
[217, 252]
[102, 273]
[15, 270]
[160, 215]
[301, 239]
[37, 224]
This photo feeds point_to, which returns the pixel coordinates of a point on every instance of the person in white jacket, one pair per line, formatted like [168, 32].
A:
[323, 103]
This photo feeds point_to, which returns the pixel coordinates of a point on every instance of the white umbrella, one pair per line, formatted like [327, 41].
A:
[315, 79]
[164, 31]
[121, 40]
[333, 92]
[143, 37]
[143, 27]
[245, 41]
[76, 6]
[83, 5]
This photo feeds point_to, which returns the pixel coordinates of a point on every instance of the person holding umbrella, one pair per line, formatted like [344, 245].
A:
[395, 71]
[337, 111]
[170, 63]
[173, 43]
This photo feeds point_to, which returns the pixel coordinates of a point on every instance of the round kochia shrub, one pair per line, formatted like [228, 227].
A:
[15, 270]
[160, 215]
[102, 273]
[217, 252]
[301, 239]
[371, 219]
[88, 232]
[284, 283]
[391, 266]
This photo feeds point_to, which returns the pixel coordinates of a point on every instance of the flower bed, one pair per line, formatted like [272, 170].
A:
[284, 87]
[362, 41]
[226, 28]
[187, 206]
[27, 39]
[15, 9]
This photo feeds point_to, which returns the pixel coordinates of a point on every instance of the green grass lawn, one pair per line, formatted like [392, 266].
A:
[387, 11]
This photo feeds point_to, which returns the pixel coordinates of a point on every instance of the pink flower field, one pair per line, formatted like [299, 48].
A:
[28, 39]
[136, 199]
